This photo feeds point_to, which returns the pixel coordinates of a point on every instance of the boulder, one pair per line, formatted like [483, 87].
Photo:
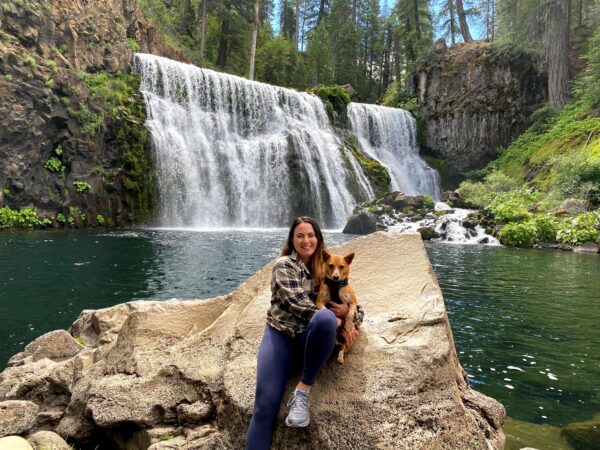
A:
[362, 223]
[17, 417]
[56, 345]
[181, 374]
[14, 443]
[587, 247]
[48, 440]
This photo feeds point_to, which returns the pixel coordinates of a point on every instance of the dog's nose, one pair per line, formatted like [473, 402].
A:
[336, 276]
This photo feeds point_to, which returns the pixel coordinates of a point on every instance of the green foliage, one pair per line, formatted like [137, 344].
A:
[396, 97]
[27, 59]
[100, 219]
[22, 218]
[6, 191]
[547, 227]
[60, 217]
[587, 86]
[90, 122]
[55, 165]
[428, 202]
[80, 340]
[165, 437]
[135, 47]
[51, 64]
[580, 229]
[377, 174]
[522, 234]
[81, 186]
[579, 177]
[273, 61]
[479, 194]
[19, 2]
[8, 77]
[6, 7]
[511, 206]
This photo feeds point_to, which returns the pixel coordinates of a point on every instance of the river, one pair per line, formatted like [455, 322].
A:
[524, 321]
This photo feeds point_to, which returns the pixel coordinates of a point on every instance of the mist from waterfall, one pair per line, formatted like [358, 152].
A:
[389, 135]
[230, 152]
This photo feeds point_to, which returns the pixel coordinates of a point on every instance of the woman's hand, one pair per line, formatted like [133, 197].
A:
[339, 309]
[350, 336]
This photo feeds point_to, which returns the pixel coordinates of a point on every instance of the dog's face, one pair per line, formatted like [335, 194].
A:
[337, 267]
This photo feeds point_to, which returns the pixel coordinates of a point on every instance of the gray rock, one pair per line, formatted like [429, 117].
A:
[47, 440]
[17, 417]
[428, 233]
[587, 247]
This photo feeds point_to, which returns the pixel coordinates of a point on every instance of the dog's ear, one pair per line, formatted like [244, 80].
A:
[349, 258]
[325, 254]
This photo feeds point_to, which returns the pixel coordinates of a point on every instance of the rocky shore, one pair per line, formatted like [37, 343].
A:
[180, 374]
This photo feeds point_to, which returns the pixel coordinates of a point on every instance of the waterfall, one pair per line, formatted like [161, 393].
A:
[236, 153]
[389, 135]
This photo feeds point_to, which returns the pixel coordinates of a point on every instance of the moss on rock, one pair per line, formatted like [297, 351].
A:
[336, 100]
[583, 435]
[375, 171]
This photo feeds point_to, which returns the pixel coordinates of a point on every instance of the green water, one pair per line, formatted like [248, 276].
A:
[525, 322]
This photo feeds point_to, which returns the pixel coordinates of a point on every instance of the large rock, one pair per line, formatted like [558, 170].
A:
[17, 417]
[361, 223]
[14, 443]
[47, 440]
[181, 374]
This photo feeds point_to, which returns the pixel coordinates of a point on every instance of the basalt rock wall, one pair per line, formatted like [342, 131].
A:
[51, 53]
[475, 98]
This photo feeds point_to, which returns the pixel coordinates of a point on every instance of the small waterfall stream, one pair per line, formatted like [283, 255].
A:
[236, 153]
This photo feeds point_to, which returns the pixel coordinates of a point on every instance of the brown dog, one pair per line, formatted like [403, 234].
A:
[335, 288]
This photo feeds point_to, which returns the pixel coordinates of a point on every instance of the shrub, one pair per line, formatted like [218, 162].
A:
[100, 219]
[507, 207]
[6, 7]
[60, 217]
[473, 194]
[135, 47]
[583, 228]
[428, 202]
[23, 218]
[8, 77]
[547, 226]
[81, 186]
[518, 234]
[579, 178]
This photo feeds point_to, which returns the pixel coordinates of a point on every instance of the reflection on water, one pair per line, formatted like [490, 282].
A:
[525, 325]
[525, 322]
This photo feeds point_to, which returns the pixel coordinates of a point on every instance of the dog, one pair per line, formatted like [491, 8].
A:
[335, 288]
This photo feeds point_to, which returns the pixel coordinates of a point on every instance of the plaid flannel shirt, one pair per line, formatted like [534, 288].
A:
[293, 297]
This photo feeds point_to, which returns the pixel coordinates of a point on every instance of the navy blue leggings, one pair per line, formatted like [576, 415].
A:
[277, 355]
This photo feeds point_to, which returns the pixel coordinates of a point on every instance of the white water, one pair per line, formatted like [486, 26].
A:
[389, 135]
[235, 153]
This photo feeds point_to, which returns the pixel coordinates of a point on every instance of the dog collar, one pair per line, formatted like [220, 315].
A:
[334, 288]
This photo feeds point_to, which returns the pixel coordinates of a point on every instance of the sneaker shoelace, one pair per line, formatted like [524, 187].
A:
[298, 400]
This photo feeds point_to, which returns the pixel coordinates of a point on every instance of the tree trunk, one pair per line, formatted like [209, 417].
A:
[203, 31]
[223, 43]
[557, 34]
[417, 19]
[452, 22]
[462, 22]
[187, 20]
[254, 36]
[321, 11]
[297, 33]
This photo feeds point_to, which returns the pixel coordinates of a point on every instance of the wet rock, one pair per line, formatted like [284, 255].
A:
[363, 223]
[583, 435]
[428, 233]
[587, 247]
[17, 417]
[484, 240]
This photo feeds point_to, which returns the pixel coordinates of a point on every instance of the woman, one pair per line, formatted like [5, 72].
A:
[296, 334]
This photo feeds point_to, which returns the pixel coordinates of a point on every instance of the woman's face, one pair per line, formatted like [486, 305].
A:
[305, 241]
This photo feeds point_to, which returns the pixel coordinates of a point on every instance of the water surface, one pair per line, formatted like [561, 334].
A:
[525, 322]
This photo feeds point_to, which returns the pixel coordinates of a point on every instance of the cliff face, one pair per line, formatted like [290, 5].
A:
[475, 98]
[181, 374]
[72, 139]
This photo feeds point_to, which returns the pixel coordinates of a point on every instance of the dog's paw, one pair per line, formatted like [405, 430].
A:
[340, 357]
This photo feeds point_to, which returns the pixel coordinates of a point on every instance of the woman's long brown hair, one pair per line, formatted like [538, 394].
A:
[315, 265]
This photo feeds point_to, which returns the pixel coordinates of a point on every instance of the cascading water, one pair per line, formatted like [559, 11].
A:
[389, 136]
[235, 153]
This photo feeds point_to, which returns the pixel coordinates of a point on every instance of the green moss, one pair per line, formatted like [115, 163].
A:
[448, 180]
[336, 100]
[376, 173]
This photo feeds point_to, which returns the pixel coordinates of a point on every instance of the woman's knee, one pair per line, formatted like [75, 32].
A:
[324, 319]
